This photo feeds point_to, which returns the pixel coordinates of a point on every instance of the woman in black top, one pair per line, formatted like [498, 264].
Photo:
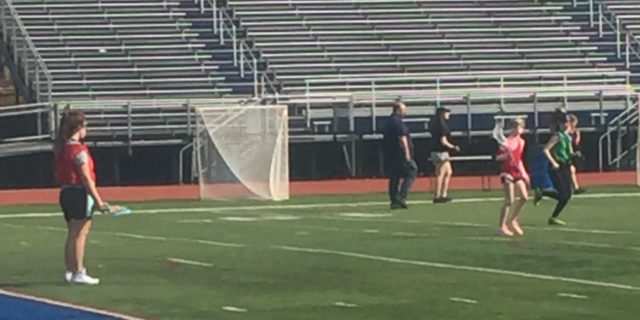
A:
[440, 146]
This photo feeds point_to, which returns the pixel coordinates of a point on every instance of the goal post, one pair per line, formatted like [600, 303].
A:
[242, 151]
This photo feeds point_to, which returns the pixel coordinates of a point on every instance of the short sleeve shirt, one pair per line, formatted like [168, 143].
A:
[81, 158]
[437, 133]
[393, 131]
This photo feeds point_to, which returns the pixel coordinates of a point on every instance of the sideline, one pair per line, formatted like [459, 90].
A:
[312, 205]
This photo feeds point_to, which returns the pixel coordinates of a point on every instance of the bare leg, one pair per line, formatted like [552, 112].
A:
[448, 172]
[70, 248]
[80, 242]
[439, 180]
[523, 194]
[508, 201]
[574, 178]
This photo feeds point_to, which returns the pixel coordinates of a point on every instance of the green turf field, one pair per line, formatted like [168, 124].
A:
[342, 258]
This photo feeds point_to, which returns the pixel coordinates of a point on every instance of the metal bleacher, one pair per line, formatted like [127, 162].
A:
[94, 49]
[623, 16]
[113, 123]
[304, 39]
[110, 49]
[477, 57]
[628, 11]
[610, 25]
[327, 59]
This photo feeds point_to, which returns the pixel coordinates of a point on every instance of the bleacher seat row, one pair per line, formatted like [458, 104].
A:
[114, 48]
[101, 49]
[628, 11]
[305, 39]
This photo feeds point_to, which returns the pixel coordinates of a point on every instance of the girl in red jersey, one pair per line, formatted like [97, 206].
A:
[76, 176]
[514, 178]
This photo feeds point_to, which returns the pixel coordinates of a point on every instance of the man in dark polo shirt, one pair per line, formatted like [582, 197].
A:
[398, 154]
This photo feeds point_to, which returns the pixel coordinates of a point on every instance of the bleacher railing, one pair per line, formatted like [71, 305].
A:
[625, 39]
[620, 127]
[34, 72]
[243, 57]
[38, 112]
[463, 87]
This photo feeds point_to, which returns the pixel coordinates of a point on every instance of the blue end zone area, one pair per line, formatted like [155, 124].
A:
[17, 308]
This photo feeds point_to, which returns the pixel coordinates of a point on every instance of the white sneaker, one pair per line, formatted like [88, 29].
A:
[68, 274]
[83, 278]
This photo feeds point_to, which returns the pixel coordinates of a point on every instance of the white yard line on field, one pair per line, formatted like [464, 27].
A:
[311, 206]
[234, 309]
[371, 257]
[140, 236]
[196, 221]
[463, 300]
[474, 225]
[572, 296]
[345, 304]
[137, 236]
[365, 215]
[404, 234]
[438, 265]
[190, 262]
[589, 244]
[594, 231]
[489, 238]
[492, 238]
[462, 224]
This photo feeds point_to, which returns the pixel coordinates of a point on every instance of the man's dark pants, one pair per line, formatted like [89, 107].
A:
[397, 170]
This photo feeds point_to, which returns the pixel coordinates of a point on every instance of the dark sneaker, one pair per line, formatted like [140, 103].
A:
[439, 200]
[580, 191]
[399, 205]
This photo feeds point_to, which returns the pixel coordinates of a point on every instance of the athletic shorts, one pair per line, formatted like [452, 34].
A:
[508, 177]
[575, 162]
[439, 157]
[76, 203]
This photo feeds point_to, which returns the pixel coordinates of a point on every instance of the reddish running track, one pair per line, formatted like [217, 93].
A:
[352, 186]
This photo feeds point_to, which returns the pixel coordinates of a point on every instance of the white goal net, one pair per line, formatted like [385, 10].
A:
[242, 151]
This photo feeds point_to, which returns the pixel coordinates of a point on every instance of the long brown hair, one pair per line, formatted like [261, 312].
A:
[71, 122]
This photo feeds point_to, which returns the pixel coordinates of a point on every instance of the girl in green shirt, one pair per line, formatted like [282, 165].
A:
[559, 152]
